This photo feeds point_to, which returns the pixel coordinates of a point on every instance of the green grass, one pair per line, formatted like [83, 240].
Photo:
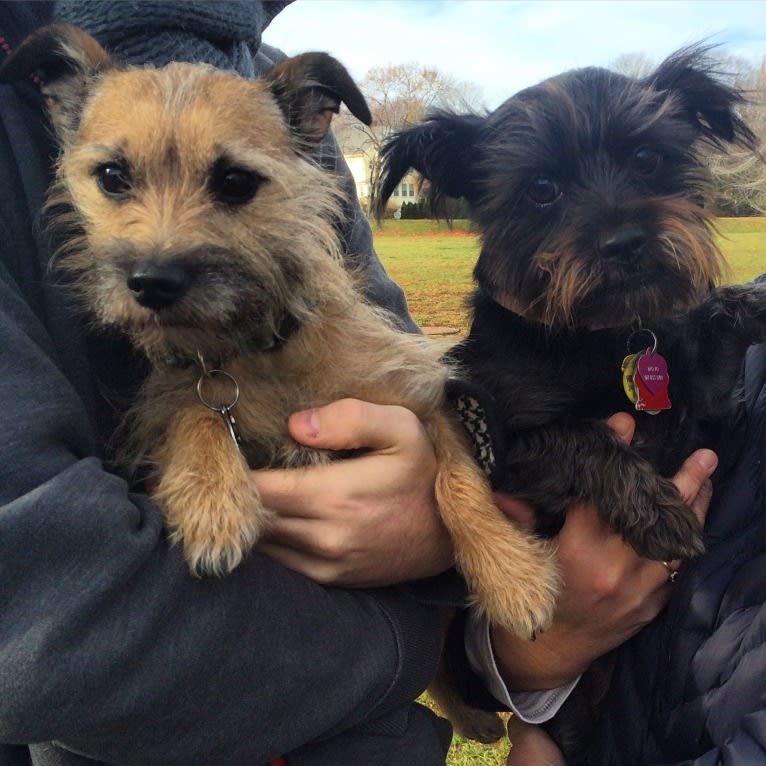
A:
[743, 243]
[433, 265]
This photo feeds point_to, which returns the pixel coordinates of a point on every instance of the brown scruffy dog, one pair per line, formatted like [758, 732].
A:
[201, 228]
[597, 288]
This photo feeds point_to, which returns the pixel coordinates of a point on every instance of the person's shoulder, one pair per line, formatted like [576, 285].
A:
[18, 19]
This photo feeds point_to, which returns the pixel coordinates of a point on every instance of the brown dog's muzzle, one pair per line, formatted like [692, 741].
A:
[158, 285]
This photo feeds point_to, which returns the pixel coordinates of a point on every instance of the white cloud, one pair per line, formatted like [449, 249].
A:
[505, 45]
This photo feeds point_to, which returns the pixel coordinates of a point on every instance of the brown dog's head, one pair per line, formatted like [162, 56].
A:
[588, 189]
[200, 219]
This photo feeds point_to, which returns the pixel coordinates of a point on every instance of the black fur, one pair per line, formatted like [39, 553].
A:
[588, 190]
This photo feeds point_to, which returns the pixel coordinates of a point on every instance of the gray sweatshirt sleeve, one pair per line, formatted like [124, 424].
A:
[107, 645]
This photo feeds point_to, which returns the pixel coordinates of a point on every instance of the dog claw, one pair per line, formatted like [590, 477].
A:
[523, 604]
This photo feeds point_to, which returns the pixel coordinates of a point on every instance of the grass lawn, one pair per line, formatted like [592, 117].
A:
[433, 265]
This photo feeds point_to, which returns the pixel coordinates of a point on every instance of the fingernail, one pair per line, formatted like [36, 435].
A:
[707, 459]
[309, 422]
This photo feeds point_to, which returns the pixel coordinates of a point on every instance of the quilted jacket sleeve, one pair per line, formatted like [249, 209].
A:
[691, 688]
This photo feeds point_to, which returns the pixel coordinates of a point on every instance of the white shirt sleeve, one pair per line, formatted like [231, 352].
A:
[532, 707]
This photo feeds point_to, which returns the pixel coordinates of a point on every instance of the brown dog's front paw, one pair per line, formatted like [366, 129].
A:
[518, 590]
[216, 523]
[219, 550]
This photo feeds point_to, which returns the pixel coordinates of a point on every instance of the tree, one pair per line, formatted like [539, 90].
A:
[401, 95]
[739, 176]
[636, 65]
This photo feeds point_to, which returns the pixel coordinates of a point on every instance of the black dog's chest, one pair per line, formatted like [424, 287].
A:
[537, 378]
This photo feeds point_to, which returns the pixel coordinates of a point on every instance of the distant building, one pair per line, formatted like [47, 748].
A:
[360, 153]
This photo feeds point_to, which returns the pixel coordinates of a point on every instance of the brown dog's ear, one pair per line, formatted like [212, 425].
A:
[309, 89]
[66, 59]
[710, 103]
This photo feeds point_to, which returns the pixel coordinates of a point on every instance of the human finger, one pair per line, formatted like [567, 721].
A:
[326, 571]
[530, 744]
[346, 425]
[518, 511]
[623, 425]
[349, 424]
[693, 481]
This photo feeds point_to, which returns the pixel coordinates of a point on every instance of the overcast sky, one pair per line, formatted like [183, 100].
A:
[505, 45]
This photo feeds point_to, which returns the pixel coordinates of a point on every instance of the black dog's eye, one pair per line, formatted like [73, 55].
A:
[646, 161]
[234, 186]
[543, 191]
[113, 179]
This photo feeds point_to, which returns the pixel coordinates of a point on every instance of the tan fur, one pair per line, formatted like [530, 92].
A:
[253, 264]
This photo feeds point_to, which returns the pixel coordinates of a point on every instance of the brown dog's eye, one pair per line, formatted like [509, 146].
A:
[113, 179]
[646, 161]
[232, 185]
[543, 191]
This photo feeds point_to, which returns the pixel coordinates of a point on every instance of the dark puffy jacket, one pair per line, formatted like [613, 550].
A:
[691, 688]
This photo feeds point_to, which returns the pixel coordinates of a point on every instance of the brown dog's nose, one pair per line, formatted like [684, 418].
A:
[624, 241]
[158, 285]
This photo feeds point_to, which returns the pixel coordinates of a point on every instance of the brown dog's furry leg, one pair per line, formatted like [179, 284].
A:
[205, 490]
[511, 575]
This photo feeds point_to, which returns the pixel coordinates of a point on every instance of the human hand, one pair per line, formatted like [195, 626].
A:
[531, 745]
[367, 521]
[609, 592]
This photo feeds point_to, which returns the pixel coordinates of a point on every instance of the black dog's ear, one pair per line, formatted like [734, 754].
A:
[710, 103]
[441, 149]
[66, 58]
[309, 89]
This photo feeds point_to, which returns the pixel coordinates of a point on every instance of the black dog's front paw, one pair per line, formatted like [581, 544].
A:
[592, 466]
[668, 529]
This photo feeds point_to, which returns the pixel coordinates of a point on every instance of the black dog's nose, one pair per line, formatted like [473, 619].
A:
[624, 241]
[158, 285]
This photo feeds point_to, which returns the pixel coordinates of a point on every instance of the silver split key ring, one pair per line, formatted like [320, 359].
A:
[224, 410]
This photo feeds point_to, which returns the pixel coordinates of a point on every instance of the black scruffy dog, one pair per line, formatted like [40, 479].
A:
[596, 285]
[597, 252]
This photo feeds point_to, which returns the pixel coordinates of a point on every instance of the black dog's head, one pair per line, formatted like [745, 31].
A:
[588, 189]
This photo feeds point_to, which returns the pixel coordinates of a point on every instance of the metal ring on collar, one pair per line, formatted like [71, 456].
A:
[207, 375]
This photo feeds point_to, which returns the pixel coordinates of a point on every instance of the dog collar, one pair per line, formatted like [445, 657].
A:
[476, 410]
[261, 338]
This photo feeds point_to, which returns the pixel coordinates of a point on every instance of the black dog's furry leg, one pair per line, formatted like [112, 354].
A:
[583, 461]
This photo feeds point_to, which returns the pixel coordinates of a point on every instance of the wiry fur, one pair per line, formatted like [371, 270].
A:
[254, 287]
[588, 190]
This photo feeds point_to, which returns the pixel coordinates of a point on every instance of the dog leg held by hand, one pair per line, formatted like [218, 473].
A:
[210, 500]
